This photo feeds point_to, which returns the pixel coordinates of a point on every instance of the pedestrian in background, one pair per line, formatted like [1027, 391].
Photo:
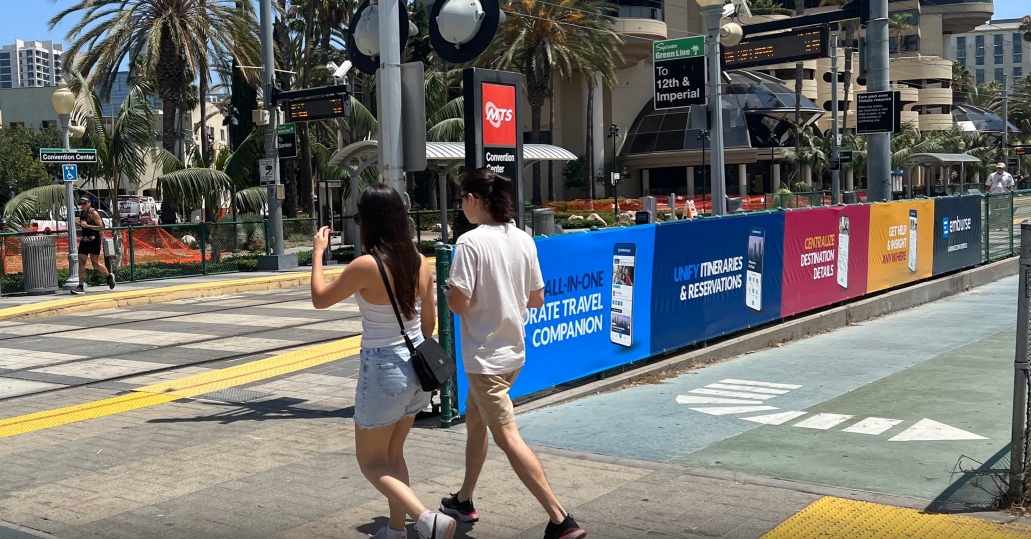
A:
[495, 277]
[1000, 181]
[389, 394]
[91, 234]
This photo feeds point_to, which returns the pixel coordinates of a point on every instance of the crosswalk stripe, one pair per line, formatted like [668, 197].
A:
[761, 384]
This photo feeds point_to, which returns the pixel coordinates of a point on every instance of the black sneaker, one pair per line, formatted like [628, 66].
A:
[78, 290]
[569, 529]
[111, 280]
[463, 511]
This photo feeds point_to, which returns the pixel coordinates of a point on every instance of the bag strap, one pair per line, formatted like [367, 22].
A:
[397, 313]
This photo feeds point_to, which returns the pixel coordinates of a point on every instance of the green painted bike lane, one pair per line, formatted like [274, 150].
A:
[889, 405]
[969, 388]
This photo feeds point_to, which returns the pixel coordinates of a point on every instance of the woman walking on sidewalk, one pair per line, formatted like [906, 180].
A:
[388, 395]
[494, 279]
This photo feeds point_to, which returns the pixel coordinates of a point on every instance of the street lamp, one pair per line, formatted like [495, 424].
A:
[64, 102]
[614, 134]
[712, 12]
[962, 166]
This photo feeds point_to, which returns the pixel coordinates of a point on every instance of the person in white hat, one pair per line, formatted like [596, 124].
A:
[1000, 181]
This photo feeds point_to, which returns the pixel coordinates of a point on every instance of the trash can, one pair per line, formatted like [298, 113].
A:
[39, 264]
[544, 222]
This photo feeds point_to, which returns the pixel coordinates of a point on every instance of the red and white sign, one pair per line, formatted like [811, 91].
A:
[499, 120]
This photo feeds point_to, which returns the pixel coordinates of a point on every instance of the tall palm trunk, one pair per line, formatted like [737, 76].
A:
[850, 29]
[799, 11]
[169, 79]
[535, 138]
[305, 186]
[551, 135]
[589, 145]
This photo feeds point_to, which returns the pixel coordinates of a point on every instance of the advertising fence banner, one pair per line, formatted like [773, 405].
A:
[958, 242]
[617, 296]
[714, 276]
[825, 256]
[596, 313]
[901, 243]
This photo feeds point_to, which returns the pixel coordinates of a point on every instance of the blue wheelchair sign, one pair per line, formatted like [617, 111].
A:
[71, 172]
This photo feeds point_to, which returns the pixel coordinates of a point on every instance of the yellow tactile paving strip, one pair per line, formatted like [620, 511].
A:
[149, 296]
[837, 517]
[189, 386]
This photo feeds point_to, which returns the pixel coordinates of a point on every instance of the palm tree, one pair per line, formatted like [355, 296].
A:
[166, 39]
[768, 7]
[899, 23]
[962, 82]
[543, 38]
[121, 150]
[227, 177]
[987, 96]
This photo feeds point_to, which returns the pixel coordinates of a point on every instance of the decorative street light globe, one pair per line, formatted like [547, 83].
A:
[63, 99]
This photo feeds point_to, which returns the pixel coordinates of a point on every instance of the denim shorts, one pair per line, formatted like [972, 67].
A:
[388, 389]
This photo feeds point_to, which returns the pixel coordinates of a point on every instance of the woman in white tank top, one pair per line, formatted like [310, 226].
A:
[389, 394]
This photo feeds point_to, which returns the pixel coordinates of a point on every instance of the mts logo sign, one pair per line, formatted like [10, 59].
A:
[499, 121]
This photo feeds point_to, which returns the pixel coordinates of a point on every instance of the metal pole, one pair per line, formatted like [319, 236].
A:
[442, 186]
[878, 171]
[268, 60]
[1005, 120]
[1020, 367]
[69, 203]
[835, 154]
[445, 334]
[388, 86]
[712, 15]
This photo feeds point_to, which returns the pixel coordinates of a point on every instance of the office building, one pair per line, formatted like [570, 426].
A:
[30, 64]
[992, 50]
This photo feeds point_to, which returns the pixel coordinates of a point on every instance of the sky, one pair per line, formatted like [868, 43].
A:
[27, 19]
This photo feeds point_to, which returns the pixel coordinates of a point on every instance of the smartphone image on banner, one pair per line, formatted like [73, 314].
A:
[843, 231]
[912, 240]
[754, 273]
[621, 311]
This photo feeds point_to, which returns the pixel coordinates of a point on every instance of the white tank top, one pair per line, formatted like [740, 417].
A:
[379, 324]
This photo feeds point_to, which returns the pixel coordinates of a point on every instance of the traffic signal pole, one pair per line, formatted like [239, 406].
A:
[388, 86]
[276, 260]
[878, 171]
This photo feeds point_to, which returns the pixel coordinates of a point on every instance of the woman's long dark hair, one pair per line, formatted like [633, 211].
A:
[385, 235]
[494, 190]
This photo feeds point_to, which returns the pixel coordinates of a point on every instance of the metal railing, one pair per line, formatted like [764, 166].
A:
[1020, 438]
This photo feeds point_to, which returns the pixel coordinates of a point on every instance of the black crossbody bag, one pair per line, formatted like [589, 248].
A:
[433, 366]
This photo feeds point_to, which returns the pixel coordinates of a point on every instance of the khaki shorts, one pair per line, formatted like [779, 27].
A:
[489, 394]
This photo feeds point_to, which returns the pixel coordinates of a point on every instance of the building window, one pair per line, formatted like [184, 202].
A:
[997, 43]
[1018, 58]
[978, 45]
[47, 124]
[1017, 73]
[5, 56]
[223, 133]
[961, 46]
[979, 60]
[639, 9]
[999, 74]
[961, 61]
[909, 44]
[979, 77]
[17, 125]
[998, 58]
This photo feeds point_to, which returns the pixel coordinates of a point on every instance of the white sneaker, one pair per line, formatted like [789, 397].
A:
[435, 526]
[386, 533]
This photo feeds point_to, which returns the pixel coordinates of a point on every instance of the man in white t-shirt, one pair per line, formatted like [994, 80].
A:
[495, 278]
[1000, 181]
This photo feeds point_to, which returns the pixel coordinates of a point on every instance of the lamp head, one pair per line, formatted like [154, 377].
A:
[63, 99]
[77, 131]
[731, 34]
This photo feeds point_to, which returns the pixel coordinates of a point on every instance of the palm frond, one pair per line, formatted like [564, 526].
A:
[44, 201]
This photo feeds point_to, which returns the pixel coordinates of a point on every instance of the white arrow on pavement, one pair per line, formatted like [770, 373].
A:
[690, 399]
[775, 419]
[928, 430]
[724, 410]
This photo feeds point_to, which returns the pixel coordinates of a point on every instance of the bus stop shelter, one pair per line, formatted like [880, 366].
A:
[441, 157]
[944, 160]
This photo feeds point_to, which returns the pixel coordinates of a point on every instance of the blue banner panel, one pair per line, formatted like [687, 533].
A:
[714, 276]
[596, 312]
[957, 233]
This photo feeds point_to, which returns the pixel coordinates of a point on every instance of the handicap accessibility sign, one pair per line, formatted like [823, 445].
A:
[71, 172]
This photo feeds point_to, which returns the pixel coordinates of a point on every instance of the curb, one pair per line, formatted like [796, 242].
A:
[148, 296]
[795, 329]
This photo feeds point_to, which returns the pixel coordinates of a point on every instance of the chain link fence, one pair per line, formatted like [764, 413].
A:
[998, 225]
